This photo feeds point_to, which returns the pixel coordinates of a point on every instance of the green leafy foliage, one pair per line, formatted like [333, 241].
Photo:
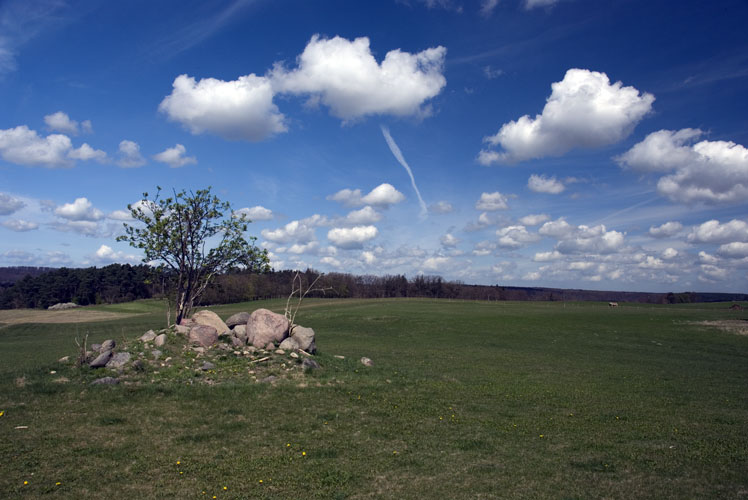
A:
[192, 237]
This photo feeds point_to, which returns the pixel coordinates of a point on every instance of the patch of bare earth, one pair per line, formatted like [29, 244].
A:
[736, 326]
[19, 316]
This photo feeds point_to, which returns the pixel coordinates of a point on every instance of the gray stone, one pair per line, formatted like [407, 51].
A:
[236, 341]
[148, 336]
[64, 359]
[268, 380]
[207, 366]
[294, 355]
[138, 365]
[62, 306]
[160, 340]
[309, 364]
[101, 360]
[182, 329]
[289, 344]
[270, 346]
[105, 381]
[203, 335]
[108, 345]
[240, 331]
[239, 318]
[367, 362]
[305, 338]
[280, 352]
[156, 353]
[119, 360]
[209, 318]
[95, 347]
[264, 326]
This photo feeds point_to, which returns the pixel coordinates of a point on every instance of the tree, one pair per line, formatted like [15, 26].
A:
[192, 237]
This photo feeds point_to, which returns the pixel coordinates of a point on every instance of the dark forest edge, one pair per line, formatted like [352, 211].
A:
[40, 287]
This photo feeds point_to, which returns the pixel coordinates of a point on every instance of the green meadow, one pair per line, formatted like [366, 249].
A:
[464, 400]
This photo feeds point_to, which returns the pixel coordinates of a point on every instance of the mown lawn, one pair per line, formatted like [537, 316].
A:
[465, 400]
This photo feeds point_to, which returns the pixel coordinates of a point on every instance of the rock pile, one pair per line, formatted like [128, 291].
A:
[262, 337]
[263, 329]
[62, 306]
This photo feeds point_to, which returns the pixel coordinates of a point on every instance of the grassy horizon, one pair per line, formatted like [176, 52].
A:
[465, 400]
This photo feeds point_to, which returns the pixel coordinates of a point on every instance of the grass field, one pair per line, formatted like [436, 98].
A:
[465, 400]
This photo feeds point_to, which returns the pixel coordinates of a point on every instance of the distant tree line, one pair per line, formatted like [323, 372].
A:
[123, 283]
[111, 284]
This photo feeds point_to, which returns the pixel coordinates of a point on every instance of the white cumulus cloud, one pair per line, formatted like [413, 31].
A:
[543, 184]
[344, 76]
[129, 155]
[61, 122]
[105, 254]
[9, 204]
[584, 110]
[735, 250]
[534, 219]
[80, 210]
[705, 172]
[351, 237]
[515, 237]
[19, 225]
[491, 202]
[293, 231]
[364, 216]
[175, 157]
[666, 230]
[383, 195]
[255, 213]
[240, 109]
[440, 208]
[713, 231]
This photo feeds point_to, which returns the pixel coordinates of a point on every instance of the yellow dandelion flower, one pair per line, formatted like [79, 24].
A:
[178, 462]
[394, 452]
[303, 453]
[260, 481]
[180, 472]
[2, 413]
[58, 483]
[225, 488]
[25, 483]
[288, 445]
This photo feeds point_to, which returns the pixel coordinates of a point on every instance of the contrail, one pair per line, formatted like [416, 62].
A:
[399, 157]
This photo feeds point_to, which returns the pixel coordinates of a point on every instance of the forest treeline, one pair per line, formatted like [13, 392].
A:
[43, 287]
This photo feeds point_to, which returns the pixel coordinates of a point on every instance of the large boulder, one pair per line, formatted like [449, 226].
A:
[148, 336]
[237, 319]
[209, 318]
[289, 344]
[203, 335]
[265, 326]
[304, 337]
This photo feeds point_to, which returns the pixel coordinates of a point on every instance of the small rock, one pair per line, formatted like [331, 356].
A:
[96, 347]
[64, 359]
[199, 350]
[305, 338]
[289, 344]
[239, 318]
[182, 329]
[251, 350]
[367, 362]
[108, 345]
[148, 336]
[207, 366]
[105, 381]
[101, 360]
[270, 346]
[339, 356]
[309, 364]
[280, 351]
[156, 353]
[167, 359]
[118, 360]
[236, 341]
[160, 340]
[294, 355]
[138, 365]
[268, 380]
[241, 332]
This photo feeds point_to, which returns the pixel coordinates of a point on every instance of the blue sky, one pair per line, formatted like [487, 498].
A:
[561, 143]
